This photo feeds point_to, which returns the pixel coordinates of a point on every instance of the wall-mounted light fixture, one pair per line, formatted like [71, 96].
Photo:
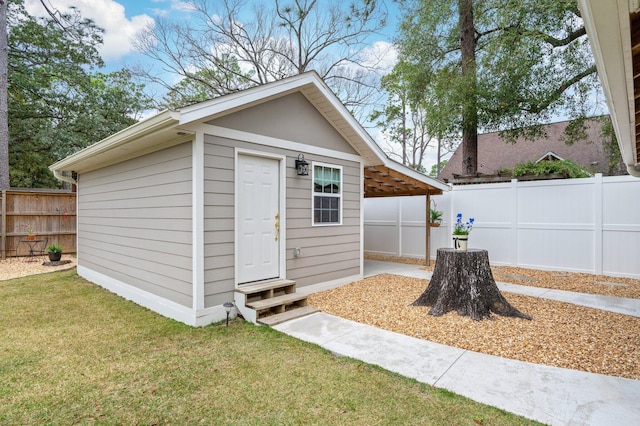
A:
[302, 166]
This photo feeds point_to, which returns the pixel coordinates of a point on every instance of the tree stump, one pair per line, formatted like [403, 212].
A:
[462, 281]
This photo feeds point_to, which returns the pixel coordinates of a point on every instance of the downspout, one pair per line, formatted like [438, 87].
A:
[63, 178]
[634, 170]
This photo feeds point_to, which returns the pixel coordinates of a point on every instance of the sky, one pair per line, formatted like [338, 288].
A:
[122, 20]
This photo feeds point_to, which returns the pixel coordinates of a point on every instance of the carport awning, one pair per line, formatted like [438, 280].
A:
[383, 181]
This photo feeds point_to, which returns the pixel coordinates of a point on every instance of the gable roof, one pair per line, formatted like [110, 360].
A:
[613, 28]
[495, 154]
[168, 128]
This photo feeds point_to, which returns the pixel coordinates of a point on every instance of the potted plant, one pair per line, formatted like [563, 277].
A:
[461, 232]
[435, 217]
[30, 235]
[55, 252]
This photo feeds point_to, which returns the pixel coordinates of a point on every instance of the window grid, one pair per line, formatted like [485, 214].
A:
[327, 195]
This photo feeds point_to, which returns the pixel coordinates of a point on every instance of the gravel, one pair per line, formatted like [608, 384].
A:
[568, 281]
[16, 267]
[561, 334]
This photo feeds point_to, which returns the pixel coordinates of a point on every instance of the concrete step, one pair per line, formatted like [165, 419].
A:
[287, 316]
[278, 301]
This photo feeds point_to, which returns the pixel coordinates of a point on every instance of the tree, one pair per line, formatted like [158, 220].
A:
[462, 282]
[4, 112]
[403, 120]
[436, 168]
[413, 122]
[499, 65]
[227, 46]
[56, 105]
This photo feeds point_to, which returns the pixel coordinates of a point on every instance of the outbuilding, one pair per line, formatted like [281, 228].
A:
[180, 211]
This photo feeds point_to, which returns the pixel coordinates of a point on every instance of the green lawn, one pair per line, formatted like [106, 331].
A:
[73, 353]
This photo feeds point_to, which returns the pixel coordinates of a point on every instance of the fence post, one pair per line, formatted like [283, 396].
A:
[514, 222]
[399, 225]
[3, 225]
[597, 218]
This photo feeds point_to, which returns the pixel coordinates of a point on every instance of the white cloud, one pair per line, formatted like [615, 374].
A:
[108, 15]
[174, 6]
[381, 56]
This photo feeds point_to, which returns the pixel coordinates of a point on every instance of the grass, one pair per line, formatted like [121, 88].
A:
[73, 353]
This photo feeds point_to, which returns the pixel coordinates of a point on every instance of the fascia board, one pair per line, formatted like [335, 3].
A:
[416, 175]
[608, 29]
[223, 104]
[160, 121]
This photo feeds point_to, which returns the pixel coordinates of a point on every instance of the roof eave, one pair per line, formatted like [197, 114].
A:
[162, 121]
[609, 31]
[435, 183]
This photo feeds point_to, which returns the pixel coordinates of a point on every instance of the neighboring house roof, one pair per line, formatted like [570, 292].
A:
[383, 177]
[613, 28]
[495, 154]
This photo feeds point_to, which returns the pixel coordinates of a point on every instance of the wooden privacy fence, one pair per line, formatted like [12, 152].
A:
[50, 214]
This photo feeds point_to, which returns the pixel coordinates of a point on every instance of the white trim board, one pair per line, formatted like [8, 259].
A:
[282, 206]
[151, 301]
[160, 305]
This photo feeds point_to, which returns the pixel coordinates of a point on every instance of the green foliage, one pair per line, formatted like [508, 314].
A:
[54, 248]
[434, 168]
[547, 167]
[56, 104]
[410, 122]
[435, 216]
[615, 164]
[532, 58]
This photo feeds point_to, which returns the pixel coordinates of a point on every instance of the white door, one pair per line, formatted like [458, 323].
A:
[258, 218]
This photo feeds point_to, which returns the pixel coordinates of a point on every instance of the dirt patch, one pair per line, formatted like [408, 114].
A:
[561, 334]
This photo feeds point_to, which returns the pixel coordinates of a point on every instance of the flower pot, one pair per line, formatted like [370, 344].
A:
[54, 256]
[31, 237]
[434, 224]
[460, 242]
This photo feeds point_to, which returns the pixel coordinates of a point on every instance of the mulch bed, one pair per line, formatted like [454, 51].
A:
[560, 335]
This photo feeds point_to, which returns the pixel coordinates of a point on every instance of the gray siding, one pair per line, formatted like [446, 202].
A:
[328, 252]
[218, 223]
[134, 223]
[291, 118]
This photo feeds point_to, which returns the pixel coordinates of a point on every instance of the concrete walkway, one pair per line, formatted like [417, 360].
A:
[550, 395]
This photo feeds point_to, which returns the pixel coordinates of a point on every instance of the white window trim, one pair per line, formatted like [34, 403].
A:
[313, 193]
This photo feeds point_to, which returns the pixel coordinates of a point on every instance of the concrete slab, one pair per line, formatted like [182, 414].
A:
[607, 303]
[375, 267]
[522, 289]
[419, 359]
[551, 395]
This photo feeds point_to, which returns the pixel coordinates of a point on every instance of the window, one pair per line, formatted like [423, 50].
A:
[327, 194]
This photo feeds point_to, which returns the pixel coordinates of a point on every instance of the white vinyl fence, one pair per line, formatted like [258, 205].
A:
[584, 225]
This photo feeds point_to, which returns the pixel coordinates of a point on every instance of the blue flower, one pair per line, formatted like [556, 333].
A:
[461, 228]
